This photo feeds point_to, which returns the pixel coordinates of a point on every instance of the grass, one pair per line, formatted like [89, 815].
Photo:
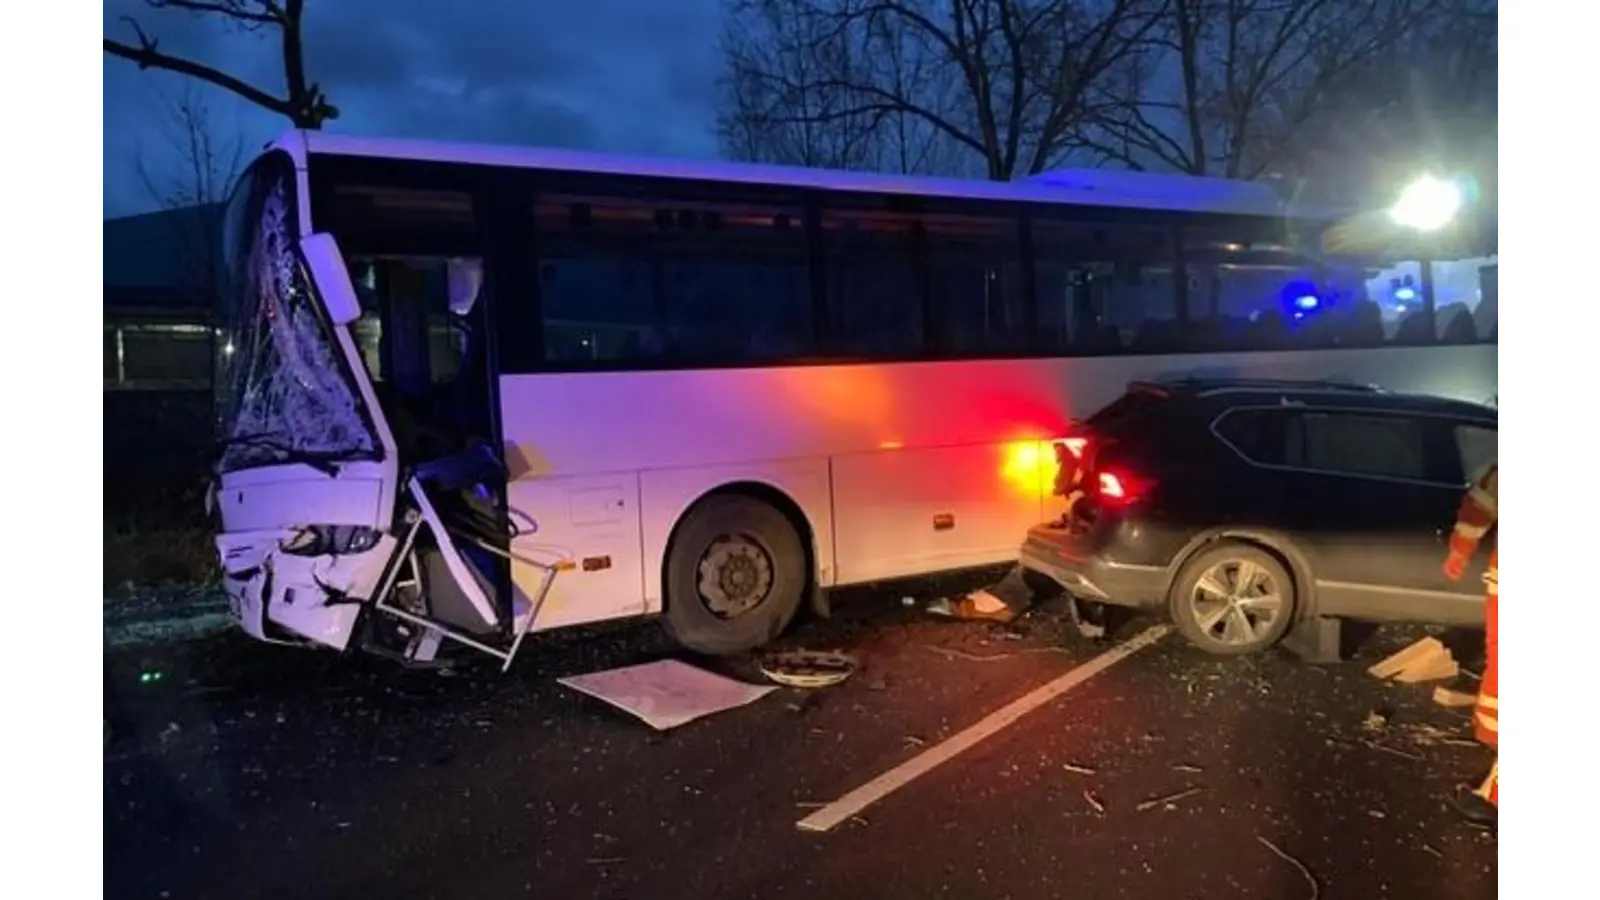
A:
[142, 556]
[157, 460]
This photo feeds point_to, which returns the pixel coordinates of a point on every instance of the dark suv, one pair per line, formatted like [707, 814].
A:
[1247, 506]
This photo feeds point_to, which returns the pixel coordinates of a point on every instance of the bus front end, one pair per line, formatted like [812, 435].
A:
[304, 477]
[331, 533]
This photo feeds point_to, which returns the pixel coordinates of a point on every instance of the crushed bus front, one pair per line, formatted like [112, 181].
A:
[328, 536]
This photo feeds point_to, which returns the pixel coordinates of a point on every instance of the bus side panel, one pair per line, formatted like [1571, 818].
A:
[668, 493]
[590, 521]
[908, 511]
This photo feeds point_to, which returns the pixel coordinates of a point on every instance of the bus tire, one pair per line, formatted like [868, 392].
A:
[735, 576]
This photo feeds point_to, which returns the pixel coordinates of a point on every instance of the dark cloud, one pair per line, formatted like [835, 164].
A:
[624, 75]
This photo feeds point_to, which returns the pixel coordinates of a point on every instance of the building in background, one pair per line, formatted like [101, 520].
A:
[160, 273]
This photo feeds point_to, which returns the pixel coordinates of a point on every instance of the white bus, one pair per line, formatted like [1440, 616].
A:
[470, 392]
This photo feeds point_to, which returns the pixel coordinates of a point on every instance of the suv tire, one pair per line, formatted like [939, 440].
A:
[1233, 599]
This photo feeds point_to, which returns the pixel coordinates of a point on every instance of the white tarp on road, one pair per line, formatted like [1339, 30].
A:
[667, 693]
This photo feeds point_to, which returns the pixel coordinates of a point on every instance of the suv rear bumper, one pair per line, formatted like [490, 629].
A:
[1054, 553]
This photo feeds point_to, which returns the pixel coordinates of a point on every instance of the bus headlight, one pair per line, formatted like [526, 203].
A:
[331, 540]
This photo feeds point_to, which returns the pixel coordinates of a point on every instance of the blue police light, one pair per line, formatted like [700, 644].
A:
[1302, 297]
[1405, 295]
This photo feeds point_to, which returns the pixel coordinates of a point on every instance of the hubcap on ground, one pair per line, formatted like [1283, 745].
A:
[1235, 602]
[735, 576]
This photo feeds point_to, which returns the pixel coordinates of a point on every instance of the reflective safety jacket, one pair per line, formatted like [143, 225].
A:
[1479, 511]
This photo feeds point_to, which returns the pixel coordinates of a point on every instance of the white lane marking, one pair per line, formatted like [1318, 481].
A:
[840, 810]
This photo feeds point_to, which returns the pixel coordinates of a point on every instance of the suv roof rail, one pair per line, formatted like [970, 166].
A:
[1210, 385]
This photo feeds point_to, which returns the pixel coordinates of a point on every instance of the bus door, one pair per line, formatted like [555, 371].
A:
[423, 336]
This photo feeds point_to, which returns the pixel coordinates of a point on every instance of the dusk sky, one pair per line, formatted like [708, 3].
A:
[624, 75]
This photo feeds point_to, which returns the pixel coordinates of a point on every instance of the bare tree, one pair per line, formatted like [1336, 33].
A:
[787, 119]
[302, 103]
[1245, 88]
[1006, 85]
[194, 186]
[1431, 101]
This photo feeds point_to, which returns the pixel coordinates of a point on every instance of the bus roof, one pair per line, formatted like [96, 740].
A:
[1085, 187]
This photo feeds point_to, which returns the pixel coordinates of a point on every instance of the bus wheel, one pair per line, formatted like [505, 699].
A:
[736, 575]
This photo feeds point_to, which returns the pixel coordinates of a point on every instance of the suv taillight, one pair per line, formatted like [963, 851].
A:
[1118, 487]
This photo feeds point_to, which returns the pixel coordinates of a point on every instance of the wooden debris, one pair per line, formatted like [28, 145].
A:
[1094, 801]
[1154, 802]
[1425, 660]
[1454, 699]
[1385, 748]
[952, 653]
[1081, 770]
[1316, 886]
[1440, 669]
[1185, 767]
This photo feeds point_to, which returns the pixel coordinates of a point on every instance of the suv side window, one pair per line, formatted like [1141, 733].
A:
[1258, 434]
[1479, 446]
[1352, 443]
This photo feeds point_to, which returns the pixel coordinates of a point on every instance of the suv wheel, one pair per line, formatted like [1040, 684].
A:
[1233, 599]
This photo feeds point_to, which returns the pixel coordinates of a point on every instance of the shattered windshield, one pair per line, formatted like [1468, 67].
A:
[284, 392]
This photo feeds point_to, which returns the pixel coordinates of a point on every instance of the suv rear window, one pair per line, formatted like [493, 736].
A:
[1261, 435]
[1387, 445]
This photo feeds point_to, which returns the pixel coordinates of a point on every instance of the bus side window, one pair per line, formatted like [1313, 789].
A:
[877, 281]
[670, 280]
[1105, 288]
[976, 284]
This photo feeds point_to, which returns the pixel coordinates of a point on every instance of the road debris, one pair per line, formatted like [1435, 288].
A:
[666, 693]
[1185, 767]
[1385, 748]
[1095, 802]
[1429, 848]
[808, 669]
[1168, 799]
[1316, 886]
[1425, 660]
[952, 653]
[1081, 770]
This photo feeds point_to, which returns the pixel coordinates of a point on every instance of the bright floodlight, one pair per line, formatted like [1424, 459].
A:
[1427, 204]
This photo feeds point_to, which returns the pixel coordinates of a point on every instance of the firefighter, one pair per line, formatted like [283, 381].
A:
[1479, 513]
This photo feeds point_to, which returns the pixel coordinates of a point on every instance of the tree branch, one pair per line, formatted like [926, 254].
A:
[304, 104]
[147, 56]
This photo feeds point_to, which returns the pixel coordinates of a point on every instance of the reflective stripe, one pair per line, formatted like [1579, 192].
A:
[1485, 500]
[1470, 531]
[1489, 722]
[1487, 702]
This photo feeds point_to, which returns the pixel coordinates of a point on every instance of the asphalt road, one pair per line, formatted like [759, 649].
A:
[249, 771]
